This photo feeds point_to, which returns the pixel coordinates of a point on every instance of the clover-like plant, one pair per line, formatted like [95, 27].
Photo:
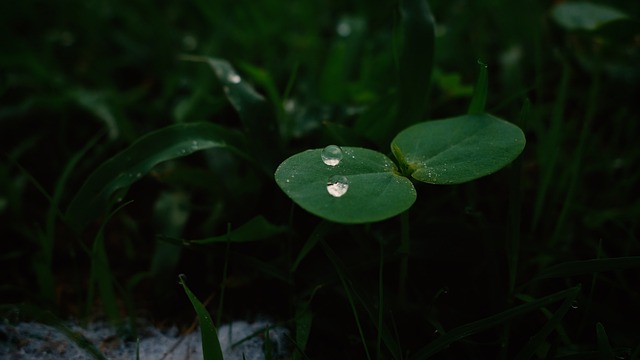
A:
[357, 185]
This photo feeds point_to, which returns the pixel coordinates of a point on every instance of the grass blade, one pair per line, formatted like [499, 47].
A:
[463, 331]
[605, 351]
[479, 99]
[536, 341]
[573, 268]
[210, 345]
[96, 194]
[348, 288]
[415, 62]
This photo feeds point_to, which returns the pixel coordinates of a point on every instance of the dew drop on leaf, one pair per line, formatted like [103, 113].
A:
[331, 155]
[337, 185]
[234, 78]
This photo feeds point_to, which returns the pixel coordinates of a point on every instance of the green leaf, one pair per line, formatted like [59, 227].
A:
[375, 190]
[456, 150]
[584, 15]
[210, 345]
[96, 195]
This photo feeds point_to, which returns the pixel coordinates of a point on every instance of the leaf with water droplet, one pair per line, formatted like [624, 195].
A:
[457, 150]
[96, 194]
[373, 189]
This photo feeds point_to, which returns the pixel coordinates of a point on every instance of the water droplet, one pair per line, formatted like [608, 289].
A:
[194, 145]
[331, 155]
[234, 78]
[574, 304]
[337, 185]
[139, 175]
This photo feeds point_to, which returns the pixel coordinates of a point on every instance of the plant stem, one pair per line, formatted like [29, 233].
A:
[405, 247]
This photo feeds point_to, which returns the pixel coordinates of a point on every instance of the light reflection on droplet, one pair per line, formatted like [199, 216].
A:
[337, 185]
[234, 78]
[331, 155]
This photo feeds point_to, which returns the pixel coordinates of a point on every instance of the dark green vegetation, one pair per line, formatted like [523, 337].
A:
[132, 153]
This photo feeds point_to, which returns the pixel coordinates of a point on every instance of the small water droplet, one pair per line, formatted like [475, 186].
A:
[183, 151]
[445, 290]
[337, 185]
[574, 304]
[331, 155]
[234, 78]
[194, 145]
[139, 175]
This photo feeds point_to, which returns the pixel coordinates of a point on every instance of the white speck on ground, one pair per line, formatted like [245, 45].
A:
[35, 341]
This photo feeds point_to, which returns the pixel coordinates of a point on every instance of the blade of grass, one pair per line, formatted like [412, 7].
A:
[100, 274]
[573, 268]
[575, 170]
[210, 345]
[605, 351]
[96, 194]
[479, 99]
[348, 288]
[466, 330]
[536, 341]
[318, 234]
[548, 154]
[415, 61]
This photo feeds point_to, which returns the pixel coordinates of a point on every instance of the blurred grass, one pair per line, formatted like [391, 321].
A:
[324, 72]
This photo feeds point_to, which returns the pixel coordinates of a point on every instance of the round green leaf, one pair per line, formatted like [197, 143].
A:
[375, 189]
[456, 150]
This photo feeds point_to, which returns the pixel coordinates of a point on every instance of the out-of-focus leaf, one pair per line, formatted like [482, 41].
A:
[479, 99]
[584, 15]
[97, 193]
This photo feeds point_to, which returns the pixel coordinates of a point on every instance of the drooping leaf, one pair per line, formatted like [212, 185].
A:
[96, 194]
[456, 150]
[257, 115]
[374, 190]
[584, 15]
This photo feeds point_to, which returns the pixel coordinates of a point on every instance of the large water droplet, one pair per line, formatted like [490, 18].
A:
[234, 78]
[337, 185]
[331, 155]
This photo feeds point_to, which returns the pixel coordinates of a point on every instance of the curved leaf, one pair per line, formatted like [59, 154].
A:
[96, 194]
[456, 150]
[375, 190]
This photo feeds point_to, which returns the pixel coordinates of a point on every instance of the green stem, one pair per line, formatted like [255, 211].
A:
[405, 247]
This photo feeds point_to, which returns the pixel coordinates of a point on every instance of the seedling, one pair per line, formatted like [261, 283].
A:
[356, 185]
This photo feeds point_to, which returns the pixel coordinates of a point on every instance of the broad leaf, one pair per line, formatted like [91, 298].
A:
[96, 194]
[456, 150]
[373, 191]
